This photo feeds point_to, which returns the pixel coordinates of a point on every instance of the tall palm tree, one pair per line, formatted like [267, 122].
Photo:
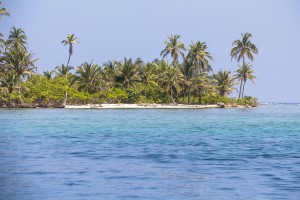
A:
[173, 47]
[71, 40]
[170, 81]
[244, 73]
[242, 48]
[88, 77]
[3, 12]
[224, 82]
[63, 70]
[199, 56]
[127, 74]
[17, 39]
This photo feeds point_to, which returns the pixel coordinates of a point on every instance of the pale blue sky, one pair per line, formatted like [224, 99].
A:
[114, 29]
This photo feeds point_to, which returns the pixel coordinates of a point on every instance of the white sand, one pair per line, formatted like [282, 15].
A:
[143, 106]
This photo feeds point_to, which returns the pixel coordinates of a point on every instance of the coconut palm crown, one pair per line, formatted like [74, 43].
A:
[199, 56]
[243, 48]
[173, 47]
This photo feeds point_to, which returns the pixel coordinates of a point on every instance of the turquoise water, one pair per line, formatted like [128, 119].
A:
[213, 154]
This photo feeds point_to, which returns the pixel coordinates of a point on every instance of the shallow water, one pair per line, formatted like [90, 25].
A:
[150, 154]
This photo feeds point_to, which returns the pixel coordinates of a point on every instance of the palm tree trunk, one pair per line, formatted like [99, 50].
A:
[189, 95]
[183, 99]
[19, 87]
[240, 91]
[171, 93]
[243, 89]
[68, 60]
[200, 99]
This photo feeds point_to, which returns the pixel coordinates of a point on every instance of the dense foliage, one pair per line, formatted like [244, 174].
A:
[190, 81]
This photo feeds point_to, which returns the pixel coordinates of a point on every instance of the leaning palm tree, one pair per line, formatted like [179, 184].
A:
[88, 77]
[173, 47]
[17, 39]
[244, 73]
[224, 82]
[63, 70]
[71, 40]
[243, 48]
[3, 12]
[199, 56]
[170, 80]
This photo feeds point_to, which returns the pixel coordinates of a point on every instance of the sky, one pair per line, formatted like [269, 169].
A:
[118, 29]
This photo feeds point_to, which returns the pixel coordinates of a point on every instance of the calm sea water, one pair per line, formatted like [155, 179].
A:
[207, 154]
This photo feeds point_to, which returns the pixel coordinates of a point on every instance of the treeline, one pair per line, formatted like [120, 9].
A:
[191, 81]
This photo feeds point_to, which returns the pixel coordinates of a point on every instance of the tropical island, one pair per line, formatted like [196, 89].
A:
[189, 80]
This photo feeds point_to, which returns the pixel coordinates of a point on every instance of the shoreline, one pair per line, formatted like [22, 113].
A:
[151, 106]
[130, 106]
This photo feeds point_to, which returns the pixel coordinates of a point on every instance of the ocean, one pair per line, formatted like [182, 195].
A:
[198, 154]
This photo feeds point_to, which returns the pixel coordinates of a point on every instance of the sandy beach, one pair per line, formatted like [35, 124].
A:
[147, 106]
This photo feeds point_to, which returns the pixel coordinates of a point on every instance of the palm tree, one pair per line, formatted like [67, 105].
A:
[127, 74]
[187, 70]
[170, 81]
[224, 82]
[71, 40]
[148, 75]
[8, 81]
[201, 85]
[244, 73]
[88, 77]
[2, 43]
[199, 56]
[17, 39]
[243, 48]
[3, 12]
[48, 74]
[20, 62]
[63, 71]
[110, 72]
[173, 47]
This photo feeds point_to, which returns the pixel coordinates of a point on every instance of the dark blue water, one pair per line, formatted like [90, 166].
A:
[213, 154]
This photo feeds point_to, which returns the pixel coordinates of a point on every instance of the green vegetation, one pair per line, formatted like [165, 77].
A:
[190, 81]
